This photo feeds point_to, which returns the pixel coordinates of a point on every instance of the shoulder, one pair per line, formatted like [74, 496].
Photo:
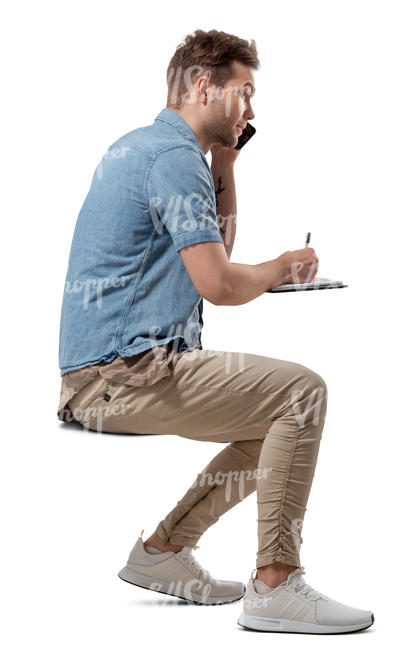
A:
[180, 165]
[179, 153]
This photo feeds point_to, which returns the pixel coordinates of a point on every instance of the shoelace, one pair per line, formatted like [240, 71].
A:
[192, 563]
[306, 589]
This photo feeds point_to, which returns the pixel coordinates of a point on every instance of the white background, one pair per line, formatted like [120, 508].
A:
[334, 155]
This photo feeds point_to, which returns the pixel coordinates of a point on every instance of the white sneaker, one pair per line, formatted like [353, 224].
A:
[178, 574]
[294, 606]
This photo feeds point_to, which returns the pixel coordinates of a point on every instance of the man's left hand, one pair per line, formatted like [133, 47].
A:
[226, 154]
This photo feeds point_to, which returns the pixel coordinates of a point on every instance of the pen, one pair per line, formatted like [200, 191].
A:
[307, 241]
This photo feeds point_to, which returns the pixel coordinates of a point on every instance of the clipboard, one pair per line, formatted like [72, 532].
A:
[319, 283]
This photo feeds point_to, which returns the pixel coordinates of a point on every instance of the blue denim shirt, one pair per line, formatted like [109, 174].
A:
[126, 288]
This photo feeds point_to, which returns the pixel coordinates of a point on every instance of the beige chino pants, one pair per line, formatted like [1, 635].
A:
[270, 411]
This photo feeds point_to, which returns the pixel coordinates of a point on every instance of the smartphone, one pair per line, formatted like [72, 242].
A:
[246, 135]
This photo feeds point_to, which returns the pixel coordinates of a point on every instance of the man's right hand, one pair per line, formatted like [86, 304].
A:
[298, 266]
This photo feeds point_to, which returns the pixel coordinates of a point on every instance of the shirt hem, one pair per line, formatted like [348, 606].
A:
[123, 353]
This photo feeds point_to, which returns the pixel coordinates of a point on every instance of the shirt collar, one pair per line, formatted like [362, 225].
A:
[180, 124]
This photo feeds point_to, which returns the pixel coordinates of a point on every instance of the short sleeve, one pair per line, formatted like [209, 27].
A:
[181, 197]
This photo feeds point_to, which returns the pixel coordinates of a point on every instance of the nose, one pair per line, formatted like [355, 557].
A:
[249, 114]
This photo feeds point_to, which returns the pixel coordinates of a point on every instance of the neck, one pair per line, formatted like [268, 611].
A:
[204, 141]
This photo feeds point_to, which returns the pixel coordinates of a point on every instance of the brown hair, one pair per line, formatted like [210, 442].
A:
[203, 52]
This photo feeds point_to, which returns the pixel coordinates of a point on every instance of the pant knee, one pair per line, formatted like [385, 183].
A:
[316, 382]
[308, 399]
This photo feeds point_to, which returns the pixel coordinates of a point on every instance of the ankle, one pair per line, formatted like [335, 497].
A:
[274, 574]
[155, 541]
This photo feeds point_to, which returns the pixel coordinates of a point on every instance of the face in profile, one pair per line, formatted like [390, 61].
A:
[230, 106]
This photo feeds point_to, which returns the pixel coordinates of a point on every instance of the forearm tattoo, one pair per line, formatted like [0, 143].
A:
[217, 192]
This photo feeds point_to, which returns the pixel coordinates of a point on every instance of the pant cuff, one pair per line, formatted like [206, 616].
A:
[285, 558]
[174, 538]
[183, 541]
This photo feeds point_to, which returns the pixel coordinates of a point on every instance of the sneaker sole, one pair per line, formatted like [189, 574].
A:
[147, 582]
[284, 625]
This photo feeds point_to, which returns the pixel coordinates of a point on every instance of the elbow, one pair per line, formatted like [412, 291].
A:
[217, 295]
[216, 290]
[222, 296]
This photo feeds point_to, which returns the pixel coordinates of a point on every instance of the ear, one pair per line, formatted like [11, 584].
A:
[203, 89]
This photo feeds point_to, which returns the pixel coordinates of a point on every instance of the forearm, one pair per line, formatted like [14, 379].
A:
[224, 182]
[244, 282]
